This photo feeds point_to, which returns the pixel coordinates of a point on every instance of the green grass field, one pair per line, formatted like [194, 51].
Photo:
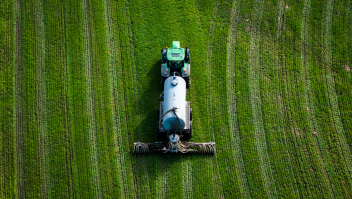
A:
[271, 84]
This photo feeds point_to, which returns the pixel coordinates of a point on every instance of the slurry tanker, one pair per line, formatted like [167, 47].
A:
[174, 113]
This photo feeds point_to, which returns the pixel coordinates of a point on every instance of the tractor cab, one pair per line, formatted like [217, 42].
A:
[175, 55]
[175, 59]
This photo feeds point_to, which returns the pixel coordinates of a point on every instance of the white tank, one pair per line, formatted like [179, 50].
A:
[174, 96]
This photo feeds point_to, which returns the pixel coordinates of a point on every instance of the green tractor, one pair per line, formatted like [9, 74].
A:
[176, 59]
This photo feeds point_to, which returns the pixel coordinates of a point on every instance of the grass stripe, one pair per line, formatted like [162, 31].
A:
[30, 122]
[232, 102]
[296, 118]
[54, 78]
[341, 62]
[254, 86]
[212, 98]
[92, 131]
[330, 83]
[41, 101]
[82, 175]
[115, 107]
[244, 112]
[18, 115]
[187, 178]
[67, 131]
[7, 101]
[314, 126]
[279, 105]
[281, 163]
[102, 99]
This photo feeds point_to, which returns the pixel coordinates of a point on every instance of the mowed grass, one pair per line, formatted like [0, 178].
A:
[271, 85]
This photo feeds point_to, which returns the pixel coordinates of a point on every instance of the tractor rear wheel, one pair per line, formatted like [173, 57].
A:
[188, 81]
[162, 81]
[163, 56]
[187, 57]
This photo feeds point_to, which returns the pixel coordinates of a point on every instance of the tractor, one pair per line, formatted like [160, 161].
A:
[176, 59]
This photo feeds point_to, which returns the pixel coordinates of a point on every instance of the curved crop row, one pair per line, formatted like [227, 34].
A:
[232, 102]
[330, 83]
[314, 126]
[255, 97]
[269, 78]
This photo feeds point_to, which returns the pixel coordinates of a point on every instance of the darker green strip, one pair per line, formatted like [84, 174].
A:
[30, 130]
[57, 110]
[249, 150]
[82, 174]
[7, 92]
[223, 166]
[328, 135]
[102, 101]
[341, 66]
[272, 118]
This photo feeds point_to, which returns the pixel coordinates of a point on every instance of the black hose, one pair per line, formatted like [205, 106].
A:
[178, 119]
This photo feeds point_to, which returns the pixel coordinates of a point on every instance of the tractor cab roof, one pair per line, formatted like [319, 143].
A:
[175, 53]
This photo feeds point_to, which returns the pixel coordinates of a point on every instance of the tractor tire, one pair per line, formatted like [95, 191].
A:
[163, 56]
[188, 82]
[188, 56]
[162, 81]
[188, 135]
[158, 115]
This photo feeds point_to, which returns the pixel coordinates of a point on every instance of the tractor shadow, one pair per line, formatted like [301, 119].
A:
[148, 101]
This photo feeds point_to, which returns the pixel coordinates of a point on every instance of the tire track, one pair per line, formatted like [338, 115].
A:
[65, 102]
[187, 178]
[134, 96]
[18, 115]
[232, 106]
[330, 84]
[307, 93]
[115, 107]
[92, 130]
[215, 175]
[279, 104]
[41, 99]
[255, 96]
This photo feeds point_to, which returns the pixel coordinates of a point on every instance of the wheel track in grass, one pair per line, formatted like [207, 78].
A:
[306, 156]
[115, 107]
[280, 103]
[232, 103]
[65, 102]
[136, 95]
[187, 177]
[255, 96]
[330, 84]
[30, 130]
[41, 101]
[77, 100]
[210, 103]
[219, 103]
[92, 131]
[307, 93]
[18, 115]
[272, 115]
[102, 99]
[132, 97]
